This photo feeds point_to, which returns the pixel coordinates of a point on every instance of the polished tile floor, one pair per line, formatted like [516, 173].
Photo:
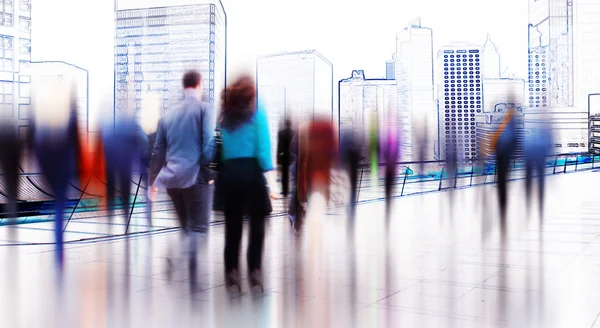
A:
[440, 260]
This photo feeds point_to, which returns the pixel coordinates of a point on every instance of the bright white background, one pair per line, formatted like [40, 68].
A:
[352, 34]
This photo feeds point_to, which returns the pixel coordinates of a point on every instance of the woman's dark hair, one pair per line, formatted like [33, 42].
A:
[238, 103]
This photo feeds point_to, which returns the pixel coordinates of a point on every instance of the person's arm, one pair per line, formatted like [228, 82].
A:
[264, 152]
[159, 151]
[209, 125]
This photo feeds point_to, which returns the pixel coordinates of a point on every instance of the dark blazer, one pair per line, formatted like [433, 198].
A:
[284, 138]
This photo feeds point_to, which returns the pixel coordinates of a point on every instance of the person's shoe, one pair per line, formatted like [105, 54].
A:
[255, 280]
[232, 280]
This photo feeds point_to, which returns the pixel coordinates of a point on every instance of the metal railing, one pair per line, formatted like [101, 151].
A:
[411, 178]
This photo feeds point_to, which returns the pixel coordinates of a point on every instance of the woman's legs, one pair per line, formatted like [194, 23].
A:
[233, 236]
[257, 238]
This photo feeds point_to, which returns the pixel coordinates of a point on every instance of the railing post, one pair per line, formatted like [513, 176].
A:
[133, 204]
[576, 162]
[495, 171]
[441, 179]
[593, 160]
[472, 172]
[555, 162]
[77, 203]
[403, 183]
[565, 166]
[362, 170]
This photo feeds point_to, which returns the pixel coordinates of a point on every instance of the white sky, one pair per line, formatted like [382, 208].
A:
[352, 34]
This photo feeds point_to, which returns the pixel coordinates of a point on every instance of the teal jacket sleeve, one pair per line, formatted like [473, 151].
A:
[264, 140]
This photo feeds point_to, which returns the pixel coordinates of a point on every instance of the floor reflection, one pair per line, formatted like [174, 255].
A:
[429, 265]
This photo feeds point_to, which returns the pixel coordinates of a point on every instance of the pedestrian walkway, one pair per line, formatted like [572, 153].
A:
[433, 264]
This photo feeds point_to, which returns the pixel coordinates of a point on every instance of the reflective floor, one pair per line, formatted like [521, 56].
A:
[439, 261]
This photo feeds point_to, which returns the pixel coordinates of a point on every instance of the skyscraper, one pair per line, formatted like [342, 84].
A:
[459, 98]
[390, 69]
[15, 64]
[414, 78]
[360, 99]
[156, 43]
[551, 78]
[491, 60]
[296, 85]
[587, 51]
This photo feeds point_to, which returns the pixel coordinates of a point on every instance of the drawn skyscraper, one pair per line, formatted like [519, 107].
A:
[163, 40]
[15, 66]
[390, 69]
[360, 99]
[491, 60]
[460, 98]
[414, 78]
[296, 85]
[551, 80]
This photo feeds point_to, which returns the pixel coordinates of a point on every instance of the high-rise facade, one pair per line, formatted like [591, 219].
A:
[551, 56]
[15, 64]
[390, 70]
[155, 44]
[295, 85]
[414, 78]
[491, 60]
[587, 51]
[361, 100]
[460, 98]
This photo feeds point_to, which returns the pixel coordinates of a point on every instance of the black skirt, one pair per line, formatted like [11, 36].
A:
[241, 186]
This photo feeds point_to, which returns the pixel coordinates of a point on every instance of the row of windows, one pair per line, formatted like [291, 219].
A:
[471, 60]
[462, 56]
[198, 29]
[452, 84]
[166, 20]
[464, 68]
[163, 11]
[460, 90]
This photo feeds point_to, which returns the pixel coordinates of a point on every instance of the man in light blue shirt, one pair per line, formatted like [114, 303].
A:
[183, 149]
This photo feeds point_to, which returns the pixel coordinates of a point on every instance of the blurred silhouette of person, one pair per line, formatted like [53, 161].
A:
[350, 158]
[56, 143]
[122, 149]
[246, 177]
[284, 139]
[537, 149]
[149, 123]
[10, 156]
[317, 155]
[389, 151]
[503, 142]
[185, 139]
[452, 160]
[374, 145]
[295, 209]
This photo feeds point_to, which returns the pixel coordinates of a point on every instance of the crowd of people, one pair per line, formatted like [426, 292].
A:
[220, 159]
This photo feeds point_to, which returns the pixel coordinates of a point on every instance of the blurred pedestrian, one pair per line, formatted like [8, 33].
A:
[284, 139]
[537, 148]
[123, 147]
[389, 151]
[10, 156]
[350, 158]
[56, 143]
[183, 150]
[246, 170]
[504, 142]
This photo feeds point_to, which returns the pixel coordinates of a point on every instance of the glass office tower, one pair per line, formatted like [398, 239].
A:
[15, 64]
[459, 98]
[155, 45]
[296, 85]
[414, 77]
